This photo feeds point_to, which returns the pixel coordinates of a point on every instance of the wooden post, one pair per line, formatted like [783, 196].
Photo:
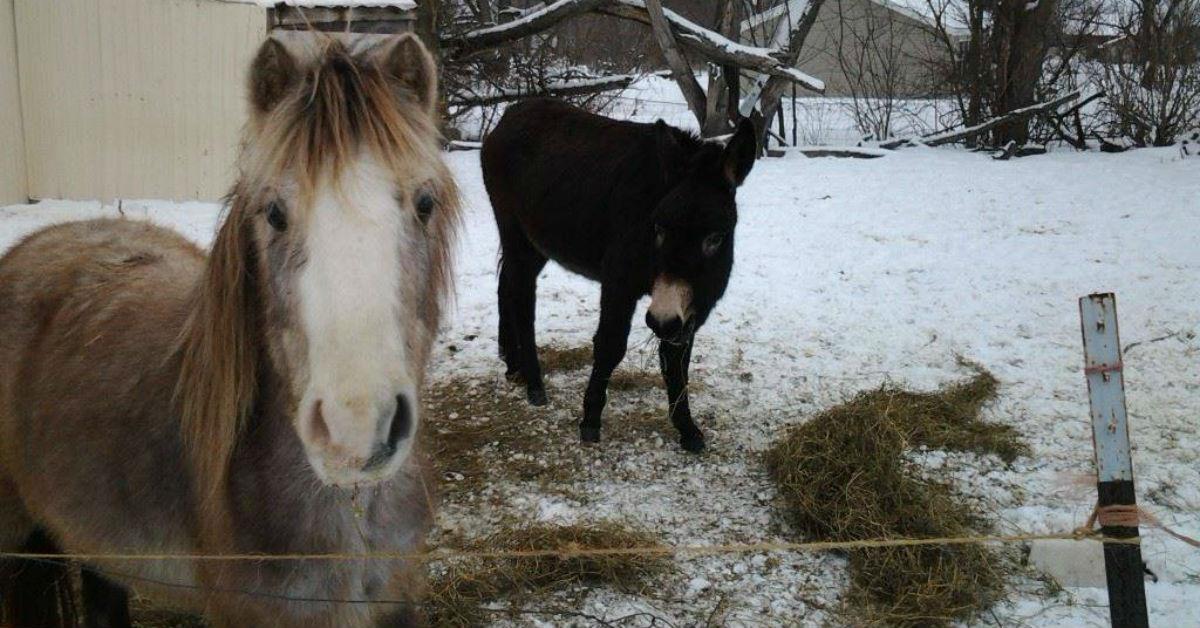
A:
[1114, 463]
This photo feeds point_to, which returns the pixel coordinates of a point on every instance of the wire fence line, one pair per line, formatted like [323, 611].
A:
[581, 552]
[1080, 534]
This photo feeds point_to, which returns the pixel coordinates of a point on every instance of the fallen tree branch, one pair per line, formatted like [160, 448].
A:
[949, 137]
[575, 87]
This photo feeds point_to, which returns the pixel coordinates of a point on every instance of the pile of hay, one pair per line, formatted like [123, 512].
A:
[844, 476]
[460, 588]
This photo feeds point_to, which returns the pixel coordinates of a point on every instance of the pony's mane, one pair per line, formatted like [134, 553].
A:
[338, 107]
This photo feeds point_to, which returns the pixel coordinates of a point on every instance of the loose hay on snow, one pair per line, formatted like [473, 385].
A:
[844, 476]
[556, 358]
[479, 433]
[460, 589]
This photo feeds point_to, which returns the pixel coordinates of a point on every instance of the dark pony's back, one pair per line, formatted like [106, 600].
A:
[566, 171]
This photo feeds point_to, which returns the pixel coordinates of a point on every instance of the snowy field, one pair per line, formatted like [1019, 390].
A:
[850, 273]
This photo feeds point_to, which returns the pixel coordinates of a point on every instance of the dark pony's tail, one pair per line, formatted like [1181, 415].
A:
[37, 593]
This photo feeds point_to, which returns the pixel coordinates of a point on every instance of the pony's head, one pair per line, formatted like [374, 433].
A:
[334, 257]
[693, 227]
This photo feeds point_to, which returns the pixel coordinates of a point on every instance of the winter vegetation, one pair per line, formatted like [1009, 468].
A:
[1133, 63]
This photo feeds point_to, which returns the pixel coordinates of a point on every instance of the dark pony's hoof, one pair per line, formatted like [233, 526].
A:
[589, 434]
[514, 375]
[537, 396]
[693, 444]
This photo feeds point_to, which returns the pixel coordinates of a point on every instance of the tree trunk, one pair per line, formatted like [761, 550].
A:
[722, 77]
[1020, 40]
[974, 67]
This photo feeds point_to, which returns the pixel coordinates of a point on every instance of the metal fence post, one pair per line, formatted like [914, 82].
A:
[1114, 463]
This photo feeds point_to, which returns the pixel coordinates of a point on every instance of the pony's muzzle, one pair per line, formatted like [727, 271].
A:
[670, 308]
[357, 442]
[394, 430]
[669, 330]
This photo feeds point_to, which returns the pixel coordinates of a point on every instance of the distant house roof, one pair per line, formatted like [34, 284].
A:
[918, 10]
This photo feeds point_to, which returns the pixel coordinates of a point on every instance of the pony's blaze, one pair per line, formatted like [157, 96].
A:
[670, 307]
[358, 409]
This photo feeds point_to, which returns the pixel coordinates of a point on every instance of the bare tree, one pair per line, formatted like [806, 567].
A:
[999, 62]
[469, 51]
[869, 51]
[1151, 73]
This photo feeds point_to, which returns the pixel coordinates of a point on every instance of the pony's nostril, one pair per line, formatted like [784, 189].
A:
[401, 422]
[318, 429]
[400, 429]
[665, 330]
[652, 323]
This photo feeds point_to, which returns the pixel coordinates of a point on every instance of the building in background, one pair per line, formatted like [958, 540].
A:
[867, 48]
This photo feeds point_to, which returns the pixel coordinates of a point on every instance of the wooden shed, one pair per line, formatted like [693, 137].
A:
[136, 98]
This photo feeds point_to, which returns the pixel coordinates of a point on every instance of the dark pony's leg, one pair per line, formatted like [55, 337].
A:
[36, 593]
[105, 603]
[518, 305]
[608, 349]
[509, 352]
[674, 360]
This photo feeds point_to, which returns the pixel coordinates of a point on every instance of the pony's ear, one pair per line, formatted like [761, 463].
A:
[409, 62]
[272, 73]
[671, 155]
[740, 153]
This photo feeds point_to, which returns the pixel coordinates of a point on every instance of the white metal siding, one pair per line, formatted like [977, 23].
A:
[133, 98]
[12, 142]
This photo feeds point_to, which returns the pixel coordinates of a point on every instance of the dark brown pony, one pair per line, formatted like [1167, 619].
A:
[260, 400]
[641, 208]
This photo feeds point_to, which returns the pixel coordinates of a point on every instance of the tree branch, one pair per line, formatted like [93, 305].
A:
[691, 36]
[681, 71]
[467, 44]
[719, 49]
[577, 87]
[768, 97]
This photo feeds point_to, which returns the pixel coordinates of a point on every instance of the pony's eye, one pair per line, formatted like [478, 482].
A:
[276, 217]
[713, 242]
[425, 206]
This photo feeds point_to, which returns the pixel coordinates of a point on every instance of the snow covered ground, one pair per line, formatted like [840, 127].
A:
[850, 273]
